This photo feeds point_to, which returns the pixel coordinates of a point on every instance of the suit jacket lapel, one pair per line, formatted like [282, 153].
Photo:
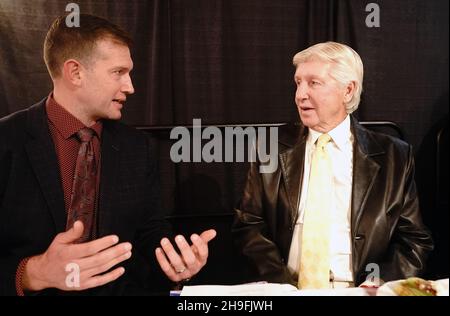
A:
[108, 178]
[42, 155]
[365, 170]
[291, 161]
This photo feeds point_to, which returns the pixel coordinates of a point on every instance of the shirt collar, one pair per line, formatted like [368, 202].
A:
[340, 135]
[65, 123]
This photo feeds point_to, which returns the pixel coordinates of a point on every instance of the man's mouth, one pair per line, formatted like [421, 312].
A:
[121, 101]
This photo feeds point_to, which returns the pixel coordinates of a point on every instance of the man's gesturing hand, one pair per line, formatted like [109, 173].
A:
[191, 259]
[92, 260]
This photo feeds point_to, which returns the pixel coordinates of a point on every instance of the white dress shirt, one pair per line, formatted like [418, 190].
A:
[340, 150]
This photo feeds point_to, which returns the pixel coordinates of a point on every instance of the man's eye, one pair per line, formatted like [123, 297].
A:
[315, 83]
[118, 72]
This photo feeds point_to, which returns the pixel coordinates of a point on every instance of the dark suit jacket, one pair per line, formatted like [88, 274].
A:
[32, 205]
[386, 226]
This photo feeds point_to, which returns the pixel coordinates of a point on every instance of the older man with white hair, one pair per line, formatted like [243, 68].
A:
[342, 206]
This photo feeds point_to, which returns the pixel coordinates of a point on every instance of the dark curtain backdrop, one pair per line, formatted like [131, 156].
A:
[230, 62]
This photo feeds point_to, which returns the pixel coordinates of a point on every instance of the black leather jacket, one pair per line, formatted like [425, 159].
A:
[386, 225]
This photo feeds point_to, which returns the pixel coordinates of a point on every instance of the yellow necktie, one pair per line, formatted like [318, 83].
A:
[314, 271]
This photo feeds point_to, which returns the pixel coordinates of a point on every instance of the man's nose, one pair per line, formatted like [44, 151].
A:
[302, 92]
[128, 86]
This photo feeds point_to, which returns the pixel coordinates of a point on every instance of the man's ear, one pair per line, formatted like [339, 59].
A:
[349, 91]
[72, 71]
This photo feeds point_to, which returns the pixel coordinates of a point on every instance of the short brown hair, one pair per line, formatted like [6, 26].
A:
[78, 42]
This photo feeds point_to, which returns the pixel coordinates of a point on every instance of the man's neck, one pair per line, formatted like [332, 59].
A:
[69, 103]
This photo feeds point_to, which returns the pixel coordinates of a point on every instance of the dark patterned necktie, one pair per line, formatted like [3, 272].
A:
[82, 201]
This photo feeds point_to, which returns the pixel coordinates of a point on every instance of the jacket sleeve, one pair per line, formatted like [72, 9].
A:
[154, 225]
[411, 241]
[251, 234]
[8, 262]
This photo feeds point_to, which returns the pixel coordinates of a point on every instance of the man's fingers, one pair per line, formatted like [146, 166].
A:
[200, 247]
[72, 234]
[93, 247]
[106, 257]
[174, 258]
[105, 265]
[200, 243]
[102, 279]
[208, 235]
[192, 257]
[165, 265]
[188, 255]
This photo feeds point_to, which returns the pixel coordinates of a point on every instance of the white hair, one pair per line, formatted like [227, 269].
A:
[346, 66]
